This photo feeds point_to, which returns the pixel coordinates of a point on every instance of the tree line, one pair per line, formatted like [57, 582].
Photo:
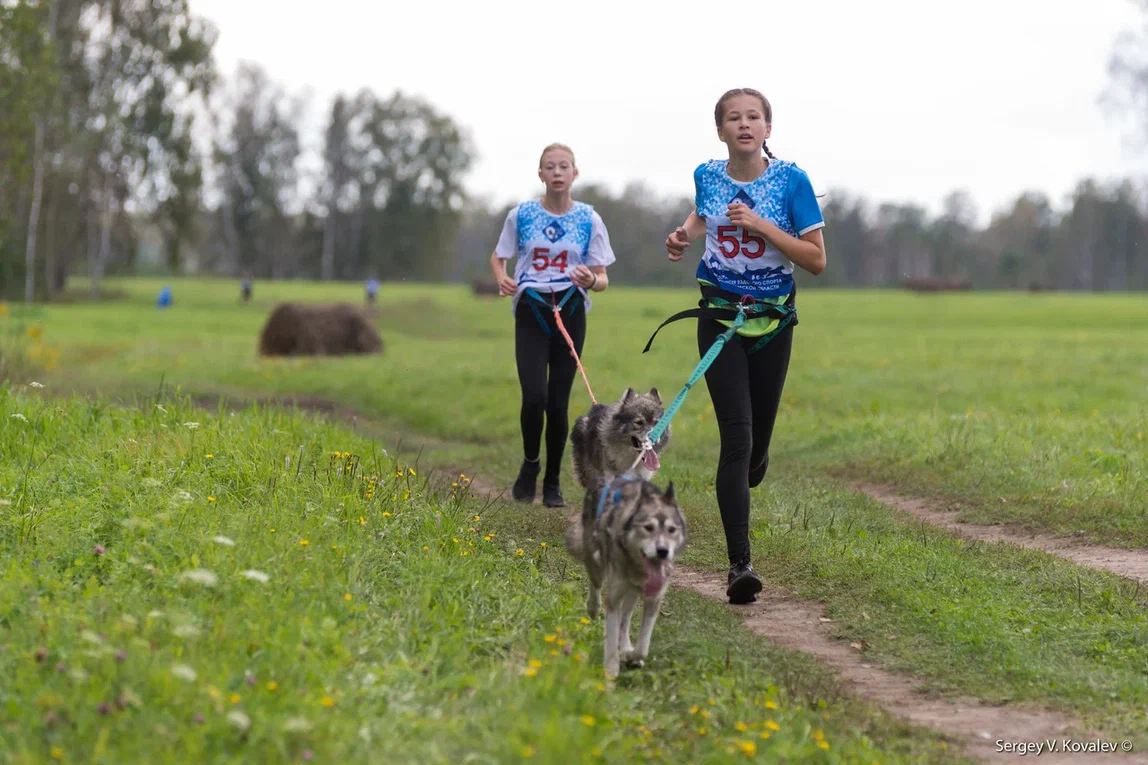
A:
[101, 172]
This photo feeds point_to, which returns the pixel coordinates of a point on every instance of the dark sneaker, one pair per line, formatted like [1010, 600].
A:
[744, 584]
[552, 495]
[527, 482]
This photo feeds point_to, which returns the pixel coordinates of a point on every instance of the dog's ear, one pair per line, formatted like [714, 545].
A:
[657, 396]
[669, 493]
[629, 394]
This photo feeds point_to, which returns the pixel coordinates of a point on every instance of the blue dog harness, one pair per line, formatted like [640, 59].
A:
[625, 478]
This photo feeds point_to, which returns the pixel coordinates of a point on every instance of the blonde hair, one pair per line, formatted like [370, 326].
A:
[554, 146]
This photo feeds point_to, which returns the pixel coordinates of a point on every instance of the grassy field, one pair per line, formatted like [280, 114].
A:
[184, 587]
[1025, 409]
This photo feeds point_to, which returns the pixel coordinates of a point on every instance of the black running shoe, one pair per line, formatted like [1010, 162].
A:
[744, 584]
[552, 495]
[526, 484]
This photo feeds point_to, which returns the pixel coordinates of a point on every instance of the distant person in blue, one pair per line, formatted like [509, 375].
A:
[245, 289]
[760, 218]
[164, 299]
[372, 290]
[563, 250]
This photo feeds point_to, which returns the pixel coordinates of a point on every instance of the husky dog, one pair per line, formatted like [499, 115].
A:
[607, 439]
[628, 537]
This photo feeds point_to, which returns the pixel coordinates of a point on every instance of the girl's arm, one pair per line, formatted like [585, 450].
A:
[590, 278]
[677, 242]
[807, 252]
[506, 284]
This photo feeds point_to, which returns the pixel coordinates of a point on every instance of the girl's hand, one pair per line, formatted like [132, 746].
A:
[507, 286]
[741, 215]
[583, 277]
[676, 244]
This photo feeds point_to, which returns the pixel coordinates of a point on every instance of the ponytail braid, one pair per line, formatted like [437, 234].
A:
[765, 148]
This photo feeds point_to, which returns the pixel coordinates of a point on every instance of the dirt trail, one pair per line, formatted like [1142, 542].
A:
[1132, 564]
[797, 624]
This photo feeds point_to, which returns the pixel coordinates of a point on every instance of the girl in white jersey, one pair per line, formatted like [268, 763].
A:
[760, 217]
[563, 249]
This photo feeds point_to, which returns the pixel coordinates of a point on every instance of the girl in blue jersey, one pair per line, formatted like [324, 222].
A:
[760, 217]
[563, 249]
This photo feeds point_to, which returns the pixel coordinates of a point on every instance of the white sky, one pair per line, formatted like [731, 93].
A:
[901, 100]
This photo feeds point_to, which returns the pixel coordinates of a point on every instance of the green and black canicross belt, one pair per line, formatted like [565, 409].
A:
[718, 304]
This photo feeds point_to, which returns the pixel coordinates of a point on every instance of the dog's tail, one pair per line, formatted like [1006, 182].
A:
[574, 543]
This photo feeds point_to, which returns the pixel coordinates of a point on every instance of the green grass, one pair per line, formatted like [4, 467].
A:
[1017, 408]
[179, 586]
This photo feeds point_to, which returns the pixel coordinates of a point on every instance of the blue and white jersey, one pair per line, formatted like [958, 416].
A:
[549, 246]
[740, 261]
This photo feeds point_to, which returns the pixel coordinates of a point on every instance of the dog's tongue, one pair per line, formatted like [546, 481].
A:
[655, 576]
[651, 461]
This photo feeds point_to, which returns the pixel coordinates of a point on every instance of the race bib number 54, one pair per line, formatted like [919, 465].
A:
[543, 260]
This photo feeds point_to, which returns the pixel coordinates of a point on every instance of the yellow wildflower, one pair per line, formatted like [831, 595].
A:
[585, 620]
[272, 686]
[550, 638]
[536, 663]
[235, 698]
[57, 753]
[347, 596]
[694, 709]
[327, 701]
[211, 499]
[530, 671]
[527, 751]
[765, 734]
[771, 705]
[748, 748]
[772, 725]
[386, 515]
[741, 727]
[588, 720]
[303, 543]
[362, 521]
[210, 456]
[519, 552]
[823, 745]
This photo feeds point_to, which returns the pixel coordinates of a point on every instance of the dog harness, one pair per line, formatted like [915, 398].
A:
[613, 490]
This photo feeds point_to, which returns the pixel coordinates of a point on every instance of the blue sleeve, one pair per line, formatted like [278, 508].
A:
[804, 210]
[699, 189]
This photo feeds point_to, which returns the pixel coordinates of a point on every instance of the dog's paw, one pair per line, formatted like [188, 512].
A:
[611, 670]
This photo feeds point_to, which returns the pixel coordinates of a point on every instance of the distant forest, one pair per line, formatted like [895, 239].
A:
[99, 174]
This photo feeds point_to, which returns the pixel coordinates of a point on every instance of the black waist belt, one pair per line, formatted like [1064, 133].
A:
[719, 304]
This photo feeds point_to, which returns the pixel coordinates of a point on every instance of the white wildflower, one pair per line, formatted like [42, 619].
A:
[225, 541]
[185, 631]
[91, 637]
[155, 614]
[184, 672]
[182, 496]
[200, 576]
[19, 416]
[191, 425]
[297, 725]
[238, 719]
[159, 407]
[256, 576]
[35, 385]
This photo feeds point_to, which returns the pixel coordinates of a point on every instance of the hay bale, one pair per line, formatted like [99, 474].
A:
[294, 329]
[484, 285]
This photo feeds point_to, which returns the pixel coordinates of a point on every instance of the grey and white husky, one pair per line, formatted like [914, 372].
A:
[628, 538]
[609, 437]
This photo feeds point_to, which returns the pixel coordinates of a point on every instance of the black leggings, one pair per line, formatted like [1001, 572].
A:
[746, 392]
[536, 354]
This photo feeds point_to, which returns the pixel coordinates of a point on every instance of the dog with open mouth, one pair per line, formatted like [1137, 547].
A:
[609, 437]
[628, 537]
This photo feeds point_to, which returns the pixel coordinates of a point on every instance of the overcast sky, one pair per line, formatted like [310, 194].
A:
[900, 100]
